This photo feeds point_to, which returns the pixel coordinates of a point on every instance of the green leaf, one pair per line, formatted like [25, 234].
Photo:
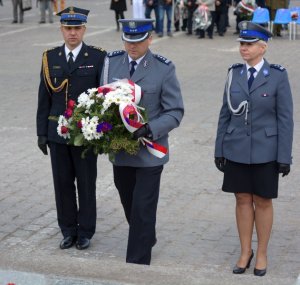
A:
[53, 118]
[79, 139]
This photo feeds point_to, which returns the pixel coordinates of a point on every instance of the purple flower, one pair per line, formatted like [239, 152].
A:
[104, 127]
[68, 113]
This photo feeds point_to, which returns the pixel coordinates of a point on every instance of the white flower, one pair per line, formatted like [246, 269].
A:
[89, 128]
[63, 122]
[85, 101]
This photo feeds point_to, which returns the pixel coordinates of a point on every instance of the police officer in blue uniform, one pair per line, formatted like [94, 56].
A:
[254, 141]
[137, 177]
[67, 71]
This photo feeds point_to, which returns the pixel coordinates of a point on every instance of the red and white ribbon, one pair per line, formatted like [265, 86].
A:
[133, 120]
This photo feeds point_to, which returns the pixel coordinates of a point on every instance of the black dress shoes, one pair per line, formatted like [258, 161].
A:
[260, 272]
[82, 243]
[67, 242]
[241, 270]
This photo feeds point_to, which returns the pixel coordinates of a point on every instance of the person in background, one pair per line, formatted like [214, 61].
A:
[138, 9]
[46, 5]
[221, 14]
[165, 7]
[191, 6]
[137, 177]
[67, 71]
[254, 141]
[261, 3]
[17, 6]
[149, 6]
[210, 4]
[55, 6]
[180, 15]
[119, 6]
[273, 5]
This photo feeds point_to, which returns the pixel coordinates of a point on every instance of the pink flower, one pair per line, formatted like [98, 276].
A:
[104, 90]
[64, 130]
[68, 113]
[71, 104]
[79, 124]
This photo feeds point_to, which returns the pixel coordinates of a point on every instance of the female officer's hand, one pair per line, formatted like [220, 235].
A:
[220, 163]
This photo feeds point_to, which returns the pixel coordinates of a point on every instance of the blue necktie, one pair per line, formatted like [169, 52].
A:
[252, 70]
[132, 69]
[70, 61]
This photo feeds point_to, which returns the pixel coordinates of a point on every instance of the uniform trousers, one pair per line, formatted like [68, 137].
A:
[68, 166]
[139, 191]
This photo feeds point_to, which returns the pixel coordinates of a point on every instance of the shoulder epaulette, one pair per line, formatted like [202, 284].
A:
[236, 65]
[162, 59]
[277, 66]
[49, 49]
[115, 53]
[97, 48]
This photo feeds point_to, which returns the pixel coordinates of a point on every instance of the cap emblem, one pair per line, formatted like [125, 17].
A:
[244, 25]
[132, 25]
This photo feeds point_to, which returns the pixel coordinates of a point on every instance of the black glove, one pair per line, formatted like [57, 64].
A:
[220, 163]
[143, 131]
[284, 169]
[42, 144]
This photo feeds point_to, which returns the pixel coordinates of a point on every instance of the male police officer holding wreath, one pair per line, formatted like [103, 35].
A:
[67, 71]
[137, 177]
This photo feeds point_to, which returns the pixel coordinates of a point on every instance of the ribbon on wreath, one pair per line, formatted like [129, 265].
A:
[136, 91]
[133, 120]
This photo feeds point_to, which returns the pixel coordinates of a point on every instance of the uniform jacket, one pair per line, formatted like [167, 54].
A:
[85, 74]
[268, 133]
[161, 98]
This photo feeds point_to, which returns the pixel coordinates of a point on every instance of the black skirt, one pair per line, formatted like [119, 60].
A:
[258, 179]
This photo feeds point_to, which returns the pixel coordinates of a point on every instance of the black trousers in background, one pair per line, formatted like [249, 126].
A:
[139, 191]
[68, 167]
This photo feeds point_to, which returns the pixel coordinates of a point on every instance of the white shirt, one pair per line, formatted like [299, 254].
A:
[137, 61]
[257, 67]
[75, 52]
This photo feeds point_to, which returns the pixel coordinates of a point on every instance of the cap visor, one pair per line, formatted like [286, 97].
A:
[134, 38]
[248, 40]
[73, 23]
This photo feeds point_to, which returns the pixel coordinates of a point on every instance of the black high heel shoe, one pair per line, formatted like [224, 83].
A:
[260, 272]
[241, 270]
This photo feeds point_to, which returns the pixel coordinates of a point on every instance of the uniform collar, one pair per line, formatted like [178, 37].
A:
[137, 60]
[75, 51]
[257, 66]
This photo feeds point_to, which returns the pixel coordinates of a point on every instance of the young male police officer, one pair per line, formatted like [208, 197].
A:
[67, 71]
[137, 177]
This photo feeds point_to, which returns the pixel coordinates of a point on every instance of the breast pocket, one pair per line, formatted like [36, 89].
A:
[150, 101]
[57, 77]
[86, 72]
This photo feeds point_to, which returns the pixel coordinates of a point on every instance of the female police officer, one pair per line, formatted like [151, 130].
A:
[254, 141]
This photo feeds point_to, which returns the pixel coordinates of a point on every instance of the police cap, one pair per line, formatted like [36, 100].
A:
[73, 16]
[136, 30]
[251, 32]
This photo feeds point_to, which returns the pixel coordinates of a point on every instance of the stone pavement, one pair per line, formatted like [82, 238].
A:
[196, 231]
